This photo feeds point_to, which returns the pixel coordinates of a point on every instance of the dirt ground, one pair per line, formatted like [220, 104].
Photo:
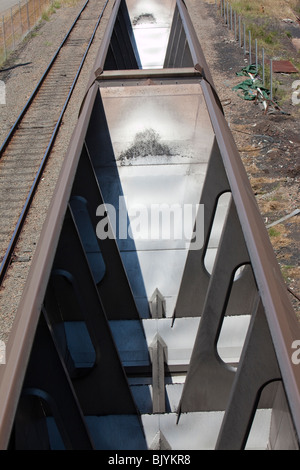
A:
[269, 144]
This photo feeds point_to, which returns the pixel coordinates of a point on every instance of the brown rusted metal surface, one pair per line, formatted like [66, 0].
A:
[284, 66]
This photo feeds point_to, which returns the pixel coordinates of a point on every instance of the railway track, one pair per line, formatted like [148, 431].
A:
[25, 151]
[180, 340]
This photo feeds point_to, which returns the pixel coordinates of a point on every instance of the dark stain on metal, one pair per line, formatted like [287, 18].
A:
[145, 143]
[144, 18]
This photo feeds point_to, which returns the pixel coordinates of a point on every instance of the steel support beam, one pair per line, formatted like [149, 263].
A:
[195, 277]
[105, 388]
[257, 368]
[209, 379]
[114, 288]
[158, 354]
[47, 379]
[178, 53]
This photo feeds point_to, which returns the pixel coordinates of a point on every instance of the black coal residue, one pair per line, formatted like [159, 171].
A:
[146, 143]
[144, 18]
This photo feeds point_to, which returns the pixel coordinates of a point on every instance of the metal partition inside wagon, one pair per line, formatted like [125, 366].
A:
[151, 24]
[161, 138]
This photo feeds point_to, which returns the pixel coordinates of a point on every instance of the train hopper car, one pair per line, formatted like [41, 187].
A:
[154, 316]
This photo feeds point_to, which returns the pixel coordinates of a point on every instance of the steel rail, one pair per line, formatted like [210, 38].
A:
[38, 86]
[8, 254]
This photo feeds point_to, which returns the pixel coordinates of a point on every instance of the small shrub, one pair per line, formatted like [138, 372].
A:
[273, 232]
